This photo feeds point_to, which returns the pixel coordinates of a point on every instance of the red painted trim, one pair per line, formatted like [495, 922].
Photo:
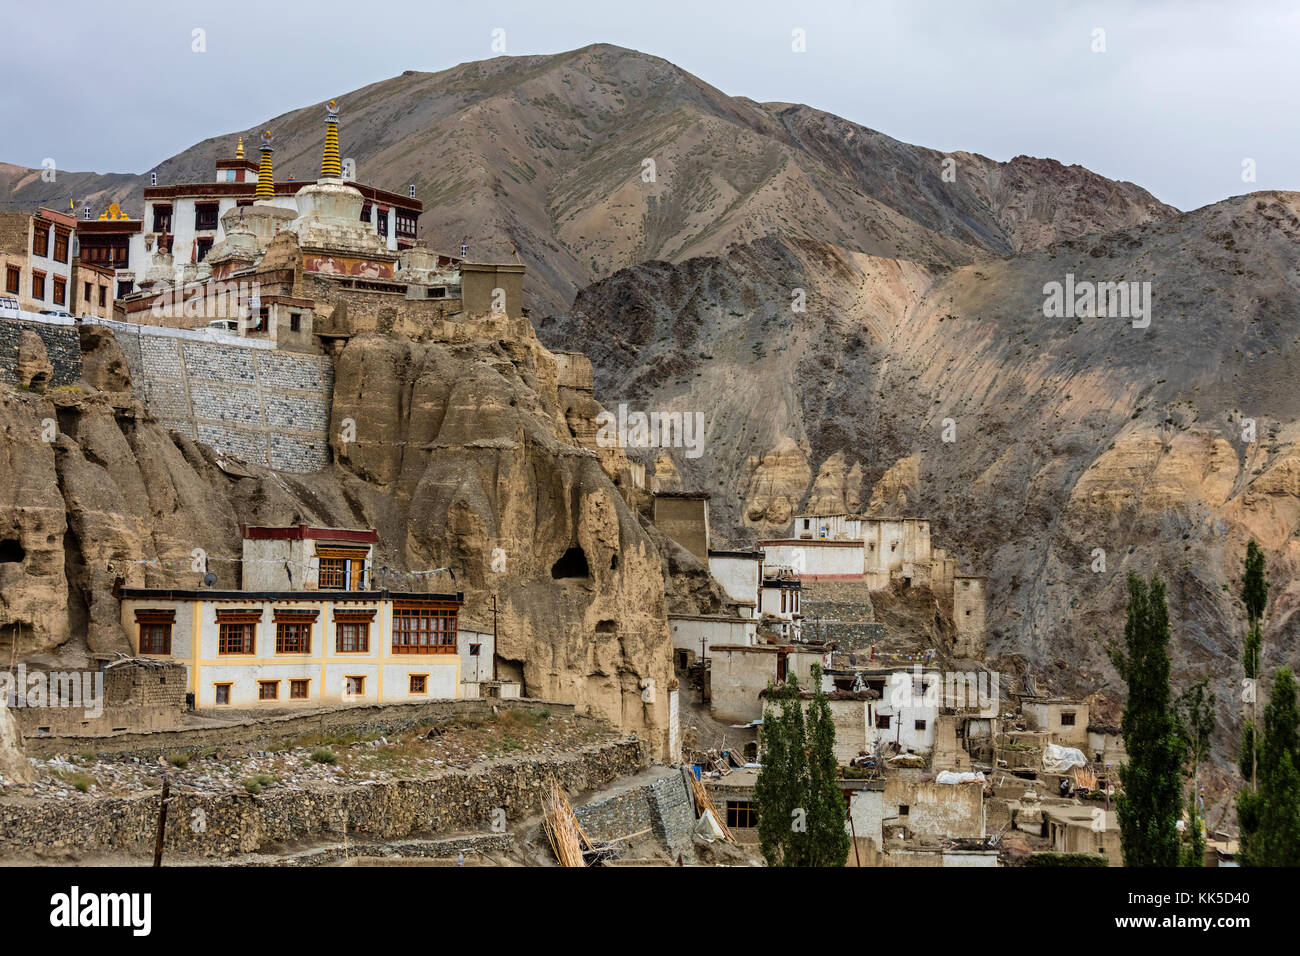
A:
[253, 533]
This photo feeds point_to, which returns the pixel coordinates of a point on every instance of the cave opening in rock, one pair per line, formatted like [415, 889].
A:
[613, 562]
[11, 550]
[572, 564]
[606, 627]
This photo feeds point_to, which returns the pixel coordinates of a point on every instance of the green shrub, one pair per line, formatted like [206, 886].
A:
[324, 755]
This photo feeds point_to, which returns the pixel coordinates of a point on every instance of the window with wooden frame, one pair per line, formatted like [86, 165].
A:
[205, 216]
[103, 296]
[60, 290]
[221, 694]
[352, 631]
[85, 292]
[155, 630]
[60, 244]
[354, 686]
[268, 690]
[237, 631]
[13, 279]
[38, 285]
[298, 689]
[293, 631]
[342, 569]
[41, 239]
[419, 683]
[882, 721]
[741, 814]
[1067, 719]
[424, 629]
[202, 247]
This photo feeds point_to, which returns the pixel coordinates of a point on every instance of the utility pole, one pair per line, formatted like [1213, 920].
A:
[162, 821]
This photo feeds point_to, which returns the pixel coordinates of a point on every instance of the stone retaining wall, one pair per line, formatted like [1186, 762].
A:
[665, 807]
[62, 345]
[265, 406]
[259, 732]
[228, 824]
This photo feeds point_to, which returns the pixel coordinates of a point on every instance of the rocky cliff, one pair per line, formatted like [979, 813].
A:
[468, 454]
[1054, 454]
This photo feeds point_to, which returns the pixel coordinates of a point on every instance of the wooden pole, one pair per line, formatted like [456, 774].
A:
[162, 822]
[494, 637]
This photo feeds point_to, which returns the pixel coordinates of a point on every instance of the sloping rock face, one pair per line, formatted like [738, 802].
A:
[13, 764]
[469, 462]
[1036, 445]
[468, 455]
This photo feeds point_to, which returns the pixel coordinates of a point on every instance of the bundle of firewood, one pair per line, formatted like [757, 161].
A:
[562, 828]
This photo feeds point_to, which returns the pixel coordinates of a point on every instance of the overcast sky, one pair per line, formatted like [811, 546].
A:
[1184, 92]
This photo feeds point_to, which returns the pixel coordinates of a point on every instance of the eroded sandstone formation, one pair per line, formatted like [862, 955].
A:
[465, 451]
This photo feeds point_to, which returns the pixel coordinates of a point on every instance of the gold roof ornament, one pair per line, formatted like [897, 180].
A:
[265, 179]
[330, 167]
[239, 148]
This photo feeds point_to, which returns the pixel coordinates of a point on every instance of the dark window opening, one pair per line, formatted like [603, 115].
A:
[202, 248]
[613, 562]
[205, 216]
[742, 814]
[162, 219]
[606, 627]
[11, 550]
[572, 564]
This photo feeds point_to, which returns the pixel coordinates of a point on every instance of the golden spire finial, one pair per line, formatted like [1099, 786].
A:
[265, 181]
[330, 167]
[239, 148]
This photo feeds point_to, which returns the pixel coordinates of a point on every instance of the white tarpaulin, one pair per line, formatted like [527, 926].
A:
[1061, 759]
[949, 776]
[708, 827]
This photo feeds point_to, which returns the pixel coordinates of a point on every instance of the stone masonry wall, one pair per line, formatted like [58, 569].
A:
[665, 807]
[264, 406]
[223, 825]
[62, 345]
[262, 730]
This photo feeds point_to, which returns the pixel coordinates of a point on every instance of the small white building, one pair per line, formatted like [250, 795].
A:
[779, 600]
[739, 573]
[694, 635]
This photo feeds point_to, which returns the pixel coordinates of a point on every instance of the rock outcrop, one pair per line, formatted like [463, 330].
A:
[466, 448]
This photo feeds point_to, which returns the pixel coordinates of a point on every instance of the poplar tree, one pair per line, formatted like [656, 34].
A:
[1270, 816]
[1254, 595]
[1195, 711]
[828, 840]
[779, 789]
[1151, 804]
[800, 807]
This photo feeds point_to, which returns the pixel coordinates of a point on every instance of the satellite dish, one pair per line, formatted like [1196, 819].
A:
[209, 580]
